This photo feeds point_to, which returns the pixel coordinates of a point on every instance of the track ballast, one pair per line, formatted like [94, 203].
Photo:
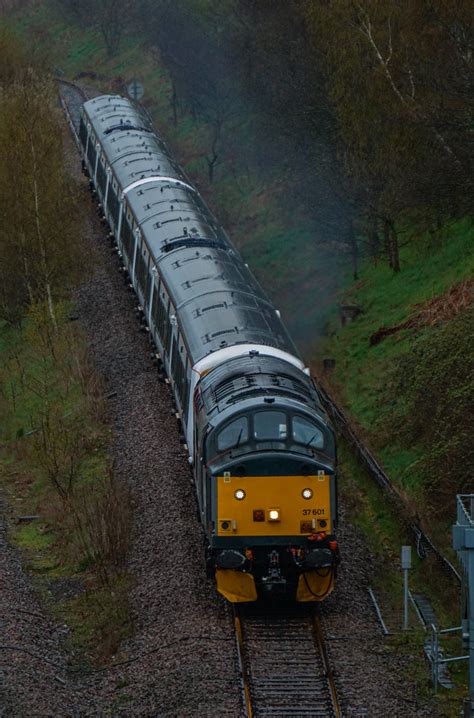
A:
[284, 663]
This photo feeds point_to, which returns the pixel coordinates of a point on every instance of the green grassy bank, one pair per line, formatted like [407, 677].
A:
[387, 386]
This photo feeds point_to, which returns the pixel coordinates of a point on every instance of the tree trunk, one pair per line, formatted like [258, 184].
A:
[374, 240]
[42, 246]
[211, 162]
[26, 267]
[354, 251]
[391, 245]
[174, 103]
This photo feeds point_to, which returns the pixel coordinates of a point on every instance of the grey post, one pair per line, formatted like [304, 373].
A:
[463, 543]
[406, 566]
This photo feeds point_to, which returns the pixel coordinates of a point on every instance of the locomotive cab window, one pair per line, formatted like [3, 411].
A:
[234, 434]
[270, 426]
[307, 433]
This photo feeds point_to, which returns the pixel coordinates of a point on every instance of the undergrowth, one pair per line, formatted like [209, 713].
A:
[69, 515]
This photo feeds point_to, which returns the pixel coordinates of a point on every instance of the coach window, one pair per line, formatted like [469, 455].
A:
[307, 433]
[234, 434]
[270, 426]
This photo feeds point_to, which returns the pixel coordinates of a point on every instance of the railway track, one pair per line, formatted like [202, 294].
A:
[284, 664]
[71, 98]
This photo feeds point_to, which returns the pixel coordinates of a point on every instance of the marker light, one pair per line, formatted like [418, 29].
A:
[239, 494]
[307, 493]
[274, 515]
[317, 537]
[259, 515]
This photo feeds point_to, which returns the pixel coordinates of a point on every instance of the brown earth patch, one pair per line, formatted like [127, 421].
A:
[440, 309]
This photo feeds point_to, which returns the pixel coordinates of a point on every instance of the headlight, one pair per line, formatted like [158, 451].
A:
[274, 515]
[239, 494]
[307, 493]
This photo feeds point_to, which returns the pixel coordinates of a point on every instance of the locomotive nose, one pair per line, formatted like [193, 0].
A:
[274, 506]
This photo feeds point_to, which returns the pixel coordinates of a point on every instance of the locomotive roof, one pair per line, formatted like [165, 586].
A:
[217, 300]
[258, 377]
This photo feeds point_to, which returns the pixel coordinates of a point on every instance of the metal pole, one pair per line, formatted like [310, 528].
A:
[469, 542]
[405, 599]
[463, 543]
[470, 575]
[406, 565]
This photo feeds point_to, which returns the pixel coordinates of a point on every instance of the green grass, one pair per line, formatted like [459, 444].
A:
[99, 619]
[363, 379]
[33, 537]
[387, 299]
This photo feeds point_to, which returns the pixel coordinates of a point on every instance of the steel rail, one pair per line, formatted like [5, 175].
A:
[80, 95]
[373, 468]
[319, 638]
[244, 675]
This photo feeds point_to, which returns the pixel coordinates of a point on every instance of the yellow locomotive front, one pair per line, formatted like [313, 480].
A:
[286, 523]
[266, 485]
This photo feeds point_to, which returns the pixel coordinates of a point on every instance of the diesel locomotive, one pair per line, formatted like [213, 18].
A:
[261, 447]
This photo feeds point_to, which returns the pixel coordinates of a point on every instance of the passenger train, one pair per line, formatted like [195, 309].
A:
[261, 448]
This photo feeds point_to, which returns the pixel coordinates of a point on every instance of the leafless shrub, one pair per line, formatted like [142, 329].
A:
[103, 523]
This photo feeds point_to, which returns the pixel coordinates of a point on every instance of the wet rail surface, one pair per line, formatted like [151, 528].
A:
[284, 663]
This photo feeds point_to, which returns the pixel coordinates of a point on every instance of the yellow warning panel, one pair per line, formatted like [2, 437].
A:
[313, 587]
[273, 505]
[236, 586]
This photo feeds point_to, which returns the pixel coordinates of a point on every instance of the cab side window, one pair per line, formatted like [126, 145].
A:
[307, 433]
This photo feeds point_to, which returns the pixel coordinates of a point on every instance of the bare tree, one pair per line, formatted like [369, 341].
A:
[40, 257]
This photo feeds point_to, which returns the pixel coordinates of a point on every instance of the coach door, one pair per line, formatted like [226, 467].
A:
[171, 340]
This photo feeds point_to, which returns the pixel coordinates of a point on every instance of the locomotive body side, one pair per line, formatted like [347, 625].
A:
[211, 322]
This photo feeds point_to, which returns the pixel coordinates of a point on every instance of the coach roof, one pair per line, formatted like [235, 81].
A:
[218, 302]
[133, 149]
